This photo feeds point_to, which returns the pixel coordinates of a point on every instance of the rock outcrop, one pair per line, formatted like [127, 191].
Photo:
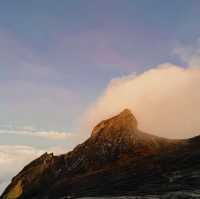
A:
[118, 159]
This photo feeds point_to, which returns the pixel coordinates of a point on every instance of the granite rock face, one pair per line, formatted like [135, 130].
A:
[117, 160]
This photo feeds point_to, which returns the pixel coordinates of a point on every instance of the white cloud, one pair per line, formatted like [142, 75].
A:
[189, 54]
[165, 99]
[53, 135]
[14, 157]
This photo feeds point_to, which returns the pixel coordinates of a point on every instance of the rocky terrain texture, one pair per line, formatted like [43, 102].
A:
[117, 160]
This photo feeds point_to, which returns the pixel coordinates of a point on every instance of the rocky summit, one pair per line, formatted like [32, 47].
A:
[117, 160]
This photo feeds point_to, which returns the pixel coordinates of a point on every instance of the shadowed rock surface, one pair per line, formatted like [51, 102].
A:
[118, 159]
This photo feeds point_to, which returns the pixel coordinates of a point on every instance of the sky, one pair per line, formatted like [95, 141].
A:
[65, 65]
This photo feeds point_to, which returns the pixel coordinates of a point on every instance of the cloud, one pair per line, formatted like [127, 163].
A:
[13, 159]
[19, 156]
[189, 54]
[165, 99]
[52, 135]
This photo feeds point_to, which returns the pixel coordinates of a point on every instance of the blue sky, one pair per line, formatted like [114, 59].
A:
[57, 57]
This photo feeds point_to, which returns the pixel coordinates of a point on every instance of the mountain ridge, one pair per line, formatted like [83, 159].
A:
[114, 160]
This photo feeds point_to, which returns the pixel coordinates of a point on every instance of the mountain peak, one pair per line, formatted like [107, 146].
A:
[126, 111]
[124, 120]
[127, 114]
[116, 155]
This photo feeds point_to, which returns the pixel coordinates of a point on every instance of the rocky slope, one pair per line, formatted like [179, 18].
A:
[118, 159]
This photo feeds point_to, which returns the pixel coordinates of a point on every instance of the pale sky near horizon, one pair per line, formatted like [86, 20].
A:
[58, 57]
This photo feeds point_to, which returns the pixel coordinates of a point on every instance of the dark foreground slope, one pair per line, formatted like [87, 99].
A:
[118, 159]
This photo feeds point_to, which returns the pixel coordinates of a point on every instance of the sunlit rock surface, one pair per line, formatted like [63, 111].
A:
[118, 159]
